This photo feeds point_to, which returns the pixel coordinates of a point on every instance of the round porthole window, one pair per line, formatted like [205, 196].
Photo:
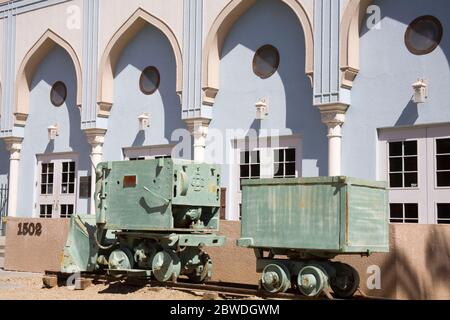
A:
[266, 61]
[423, 35]
[58, 94]
[149, 81]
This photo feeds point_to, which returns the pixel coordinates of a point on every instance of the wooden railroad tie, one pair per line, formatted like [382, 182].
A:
[75, 281]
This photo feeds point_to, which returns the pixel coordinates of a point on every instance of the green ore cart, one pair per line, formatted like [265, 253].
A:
[296, 226]
[153, 218]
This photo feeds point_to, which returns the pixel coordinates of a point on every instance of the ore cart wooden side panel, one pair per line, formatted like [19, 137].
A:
[367, 217]
[320, 214]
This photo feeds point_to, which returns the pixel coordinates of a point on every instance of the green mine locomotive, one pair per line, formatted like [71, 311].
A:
[153, 218]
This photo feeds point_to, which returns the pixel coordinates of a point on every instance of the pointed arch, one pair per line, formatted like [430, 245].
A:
[119, 41]
[220, 29]
[352, 20]
[28, 67]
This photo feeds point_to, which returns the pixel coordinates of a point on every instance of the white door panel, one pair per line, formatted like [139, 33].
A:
[428, 194]
[436, 194]
[56, 186]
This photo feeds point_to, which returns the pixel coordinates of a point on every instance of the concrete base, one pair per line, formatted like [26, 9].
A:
[232, 263]
[417, 266]
[37, 252]
[2, 251]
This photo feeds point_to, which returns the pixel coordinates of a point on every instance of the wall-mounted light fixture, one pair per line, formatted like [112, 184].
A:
[53, 132]
[262, 109]
[144, 121]
[420, 91]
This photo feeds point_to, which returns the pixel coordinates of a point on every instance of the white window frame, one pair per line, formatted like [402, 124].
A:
[403, 172]
[436, 211]
[148, 152]
[435, 155]
[234, 196]
[427, 195]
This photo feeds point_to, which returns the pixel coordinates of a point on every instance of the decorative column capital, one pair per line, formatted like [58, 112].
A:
[334, 117]
[95, 137]
[198, 127]
[199, 130]
[14, 146]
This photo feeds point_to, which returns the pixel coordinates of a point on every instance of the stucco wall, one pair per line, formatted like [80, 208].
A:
[113, 14]
[288, 91]
[2, 46]
[30, 26]
[57, 66]
[4, 163]
[382, 92]
[149, 48]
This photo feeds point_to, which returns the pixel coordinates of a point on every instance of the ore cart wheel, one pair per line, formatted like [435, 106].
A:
[276, 278]
[202, 272]
[312, 280]
[346, 282]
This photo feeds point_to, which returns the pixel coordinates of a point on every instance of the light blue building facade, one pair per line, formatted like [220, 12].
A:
[266, 88]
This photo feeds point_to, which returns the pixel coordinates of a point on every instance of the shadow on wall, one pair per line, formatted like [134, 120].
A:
[4, 163]
[409, 115]
[405, 11]
[150, 47]
[421, 270]
[289, 89]
[57, 66]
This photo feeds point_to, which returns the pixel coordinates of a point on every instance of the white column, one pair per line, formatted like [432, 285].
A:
[199, 131]
[96, 138]
[334, 119]
[14, 146]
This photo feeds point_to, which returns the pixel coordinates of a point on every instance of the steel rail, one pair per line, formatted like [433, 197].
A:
[222, 289]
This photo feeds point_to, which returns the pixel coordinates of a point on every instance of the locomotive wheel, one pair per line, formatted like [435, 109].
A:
[165, 266]
[346, 282]
[311, 281]
[121, 259]
[202, 272]
[276, 278]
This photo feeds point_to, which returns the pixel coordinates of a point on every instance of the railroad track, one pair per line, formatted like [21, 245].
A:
[217, 289]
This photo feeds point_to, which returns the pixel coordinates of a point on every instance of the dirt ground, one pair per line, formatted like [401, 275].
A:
[28, 286]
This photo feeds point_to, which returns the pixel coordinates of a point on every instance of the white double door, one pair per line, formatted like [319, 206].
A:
[415, 162]
[56, 186]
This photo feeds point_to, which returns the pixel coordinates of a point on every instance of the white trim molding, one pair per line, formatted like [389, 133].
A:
[96, 138]
[14, 146]
[199, 130]
[333, 116]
